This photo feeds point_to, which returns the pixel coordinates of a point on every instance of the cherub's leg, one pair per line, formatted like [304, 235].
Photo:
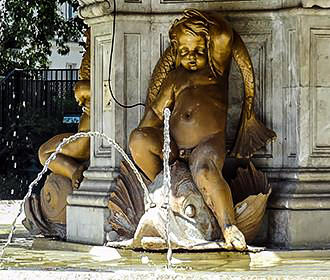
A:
[146, 146]
[206, 163]
[69, 162]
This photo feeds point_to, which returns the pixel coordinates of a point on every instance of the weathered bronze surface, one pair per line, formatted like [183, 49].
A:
[48, 212]
[192, 225]
[192, 80]
[71, 162]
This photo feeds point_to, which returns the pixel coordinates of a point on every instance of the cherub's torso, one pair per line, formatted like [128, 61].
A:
[200, 106]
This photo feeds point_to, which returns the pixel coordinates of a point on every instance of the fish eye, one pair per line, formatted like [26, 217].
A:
[190, 211]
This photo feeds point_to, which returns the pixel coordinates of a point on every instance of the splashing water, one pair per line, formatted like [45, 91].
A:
[150, 203]
[167, 180]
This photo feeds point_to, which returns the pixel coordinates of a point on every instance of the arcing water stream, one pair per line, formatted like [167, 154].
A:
[151, 204]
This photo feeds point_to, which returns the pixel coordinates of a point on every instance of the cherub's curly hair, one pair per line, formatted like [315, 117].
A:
[191, 25]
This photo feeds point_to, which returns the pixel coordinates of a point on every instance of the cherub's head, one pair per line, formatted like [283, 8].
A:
[188, 38]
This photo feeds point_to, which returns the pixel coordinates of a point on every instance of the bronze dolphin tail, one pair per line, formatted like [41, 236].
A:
[165, 64]
[252, 134]
[250, 190]
[126, 202]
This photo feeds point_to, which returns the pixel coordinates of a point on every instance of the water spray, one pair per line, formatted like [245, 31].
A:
[150, 203]
[167, 181]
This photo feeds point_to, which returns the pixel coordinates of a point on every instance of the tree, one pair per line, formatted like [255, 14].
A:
[27, 29]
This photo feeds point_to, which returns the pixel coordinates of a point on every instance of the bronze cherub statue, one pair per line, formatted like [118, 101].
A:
[192, 80]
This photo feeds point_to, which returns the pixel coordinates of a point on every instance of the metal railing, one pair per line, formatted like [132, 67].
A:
[48, 91]
[33, 104]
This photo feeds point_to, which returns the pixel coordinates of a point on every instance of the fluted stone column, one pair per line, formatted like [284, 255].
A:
[87, 211]
[289, 45]
[300, 206]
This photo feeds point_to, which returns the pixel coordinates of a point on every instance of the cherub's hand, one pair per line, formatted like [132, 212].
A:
[79, 99]
[195, 13]
[86, 109]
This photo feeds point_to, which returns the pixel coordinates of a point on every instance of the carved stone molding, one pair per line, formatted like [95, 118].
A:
[319, 3]
[319, 126]
[176, 5]
[94, 8]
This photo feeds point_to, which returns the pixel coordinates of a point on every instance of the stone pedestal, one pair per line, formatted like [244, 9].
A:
[289, 45]
[87, 211]
[300, 206]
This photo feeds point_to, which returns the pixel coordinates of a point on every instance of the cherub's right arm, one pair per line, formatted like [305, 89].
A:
[153, 117]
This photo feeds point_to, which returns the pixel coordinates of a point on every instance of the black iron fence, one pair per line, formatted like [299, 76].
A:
[33, 104]
[48, 91]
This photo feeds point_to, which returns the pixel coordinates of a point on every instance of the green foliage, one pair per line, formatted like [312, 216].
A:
[27, 29]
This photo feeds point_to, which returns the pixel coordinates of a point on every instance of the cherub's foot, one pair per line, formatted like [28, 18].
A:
[234, 238]
[77, 176]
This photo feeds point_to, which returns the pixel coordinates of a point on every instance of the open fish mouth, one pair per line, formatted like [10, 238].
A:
[157, 225]
[182, 232]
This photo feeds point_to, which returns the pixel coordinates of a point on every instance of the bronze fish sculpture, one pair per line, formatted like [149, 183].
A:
[191, 224]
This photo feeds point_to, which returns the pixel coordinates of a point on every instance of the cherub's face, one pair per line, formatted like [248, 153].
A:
[192, 51]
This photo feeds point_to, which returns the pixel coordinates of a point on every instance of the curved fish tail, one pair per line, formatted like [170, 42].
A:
[165, 64]
[252, 136]
[251, 190]
[126, 202]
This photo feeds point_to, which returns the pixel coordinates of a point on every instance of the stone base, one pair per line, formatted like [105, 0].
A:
[87, 210]
[87, 224]
[299, 210]
[299, 229]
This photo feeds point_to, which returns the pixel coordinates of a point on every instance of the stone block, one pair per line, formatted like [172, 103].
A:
[299, 229]
[316, 3]
[87, 224]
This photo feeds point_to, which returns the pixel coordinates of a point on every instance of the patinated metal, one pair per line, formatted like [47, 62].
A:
[191, 79]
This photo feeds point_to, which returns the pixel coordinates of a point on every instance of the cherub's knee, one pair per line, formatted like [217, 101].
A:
[205, 159]
[144, 140]
[203, 170]
[138, 140]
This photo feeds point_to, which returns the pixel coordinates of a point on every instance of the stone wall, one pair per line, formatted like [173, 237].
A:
[288, 43]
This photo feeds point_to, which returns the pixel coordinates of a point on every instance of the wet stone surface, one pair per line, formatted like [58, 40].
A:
[21, 255]
[48, 259]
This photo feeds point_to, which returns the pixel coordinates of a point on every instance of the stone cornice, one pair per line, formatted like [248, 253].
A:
[94, 8]
[318, 3]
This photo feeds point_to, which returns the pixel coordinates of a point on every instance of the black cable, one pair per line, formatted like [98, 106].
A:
[110, 63]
